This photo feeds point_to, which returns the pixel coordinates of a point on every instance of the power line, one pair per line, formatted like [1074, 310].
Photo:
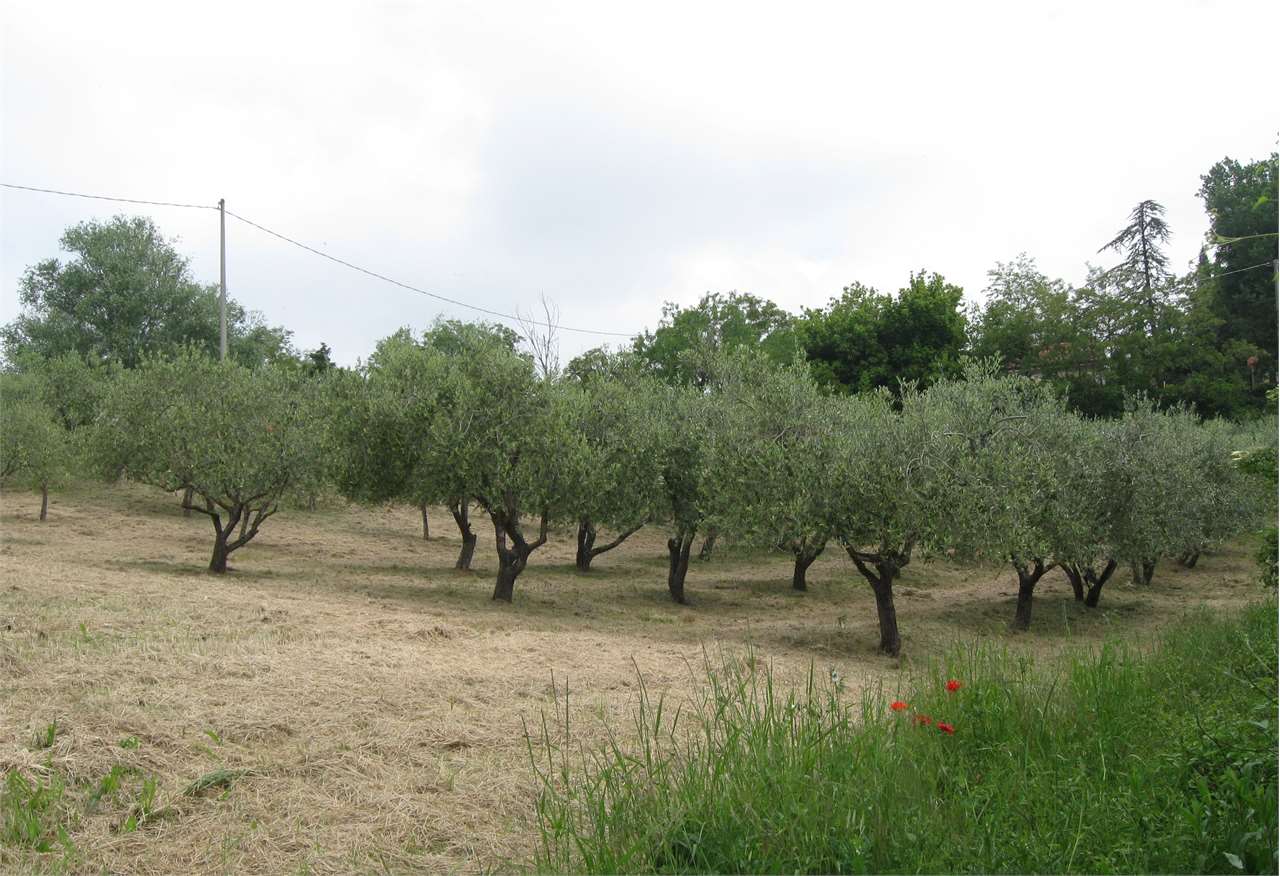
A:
[325, 255]
[1238, 270]
[109, 198]
[420, 290]
[392, 281]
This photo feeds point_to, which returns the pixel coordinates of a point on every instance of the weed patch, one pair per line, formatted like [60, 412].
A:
[1122, 760]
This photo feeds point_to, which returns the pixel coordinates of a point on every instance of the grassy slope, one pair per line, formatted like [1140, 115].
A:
[1112, 760]
[377, 697]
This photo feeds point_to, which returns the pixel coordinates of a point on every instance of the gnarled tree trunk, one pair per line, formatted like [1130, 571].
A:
[513, 548]
[458, 508]
[1077, 581]
[587, 549]
[1096, 580]
[44, 502]
[678, 549]
[1028, 577]
[1189, 559]
[187, 495]
[218, 563]
[805, 553]
[586, 541]
[880, 569]
[426, 524]
[1142, 571]
[247, 518]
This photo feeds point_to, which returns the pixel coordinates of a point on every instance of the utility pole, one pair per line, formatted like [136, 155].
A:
[222, 275]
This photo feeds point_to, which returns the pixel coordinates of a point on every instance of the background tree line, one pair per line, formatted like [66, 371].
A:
[1205, 337]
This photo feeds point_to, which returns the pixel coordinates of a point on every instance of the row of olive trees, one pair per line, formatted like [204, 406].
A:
[986, 467]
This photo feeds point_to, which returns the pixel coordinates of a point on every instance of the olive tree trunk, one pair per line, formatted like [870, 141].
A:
[458, 508]
[1077, 581]
[880, 569]
[1189, 559]
[805, 553]
[1028, 578]
[678, 549]
[513, 548]
[426, 524]
[1142, 571]
[248, 518]
[1096, 580]
[44, 501]
[587, 549]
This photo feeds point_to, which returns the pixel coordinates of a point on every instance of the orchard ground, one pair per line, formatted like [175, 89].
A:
[377, 698]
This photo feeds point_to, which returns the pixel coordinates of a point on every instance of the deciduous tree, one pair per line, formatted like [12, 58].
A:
[866, 340]
[125, 294]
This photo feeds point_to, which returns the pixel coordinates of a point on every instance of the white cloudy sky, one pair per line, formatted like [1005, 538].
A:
[614, 157]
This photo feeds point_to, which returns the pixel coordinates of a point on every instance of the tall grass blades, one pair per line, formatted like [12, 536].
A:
[32, 812]
[1125, 759]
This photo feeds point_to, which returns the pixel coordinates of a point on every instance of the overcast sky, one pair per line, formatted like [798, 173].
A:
[618, 157]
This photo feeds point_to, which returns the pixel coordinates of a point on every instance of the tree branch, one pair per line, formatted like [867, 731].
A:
[617, 541]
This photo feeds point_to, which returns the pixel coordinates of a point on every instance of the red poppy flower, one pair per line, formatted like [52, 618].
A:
[946, 728]
[923, 720]
[953, 686]
[898, 705]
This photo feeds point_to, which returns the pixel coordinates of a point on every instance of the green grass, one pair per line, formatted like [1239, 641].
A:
[1122, 759]
[33, 813]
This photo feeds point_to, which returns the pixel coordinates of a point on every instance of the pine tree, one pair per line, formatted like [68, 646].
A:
[1140, 241]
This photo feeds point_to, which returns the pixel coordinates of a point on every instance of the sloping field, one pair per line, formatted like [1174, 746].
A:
[368, 701]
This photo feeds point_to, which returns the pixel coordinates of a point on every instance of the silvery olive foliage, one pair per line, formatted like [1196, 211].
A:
[241, 439]
[622, 432]
[771, 446]
[881, 500]
[684, 414]
[997, 447]
[508, 437]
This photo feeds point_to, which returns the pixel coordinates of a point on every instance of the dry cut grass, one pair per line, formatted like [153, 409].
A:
[367, 701]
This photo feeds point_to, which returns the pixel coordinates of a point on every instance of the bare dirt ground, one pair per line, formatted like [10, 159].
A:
[375, 695]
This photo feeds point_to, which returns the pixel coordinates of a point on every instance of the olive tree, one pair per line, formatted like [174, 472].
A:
[239, 438]
[35, 451]
[771, 449]
[380, 419]
[1153, 485]
[47, 406]
[507, 436]
[457, 341]
[998, 445]
[622, 480]
[686, 477]
[1097, 479]
[880, 503]
[1217, 501]
[1114, 492]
